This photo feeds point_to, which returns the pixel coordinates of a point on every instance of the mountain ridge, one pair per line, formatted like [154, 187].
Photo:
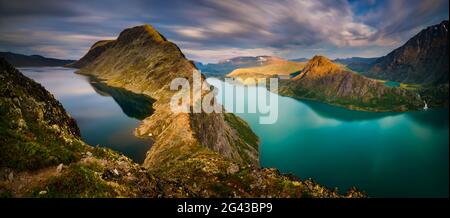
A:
[224, 67]
[423, 59]
[20, 60]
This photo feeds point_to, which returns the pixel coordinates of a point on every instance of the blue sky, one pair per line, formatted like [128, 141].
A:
[213, 30]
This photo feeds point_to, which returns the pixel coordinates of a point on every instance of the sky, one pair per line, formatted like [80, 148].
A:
[214, 30]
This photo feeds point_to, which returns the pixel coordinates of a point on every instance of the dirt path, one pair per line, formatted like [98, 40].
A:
[21, 183]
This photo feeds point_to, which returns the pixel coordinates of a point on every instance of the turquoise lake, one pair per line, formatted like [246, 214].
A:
[106, 116]
[383, 154]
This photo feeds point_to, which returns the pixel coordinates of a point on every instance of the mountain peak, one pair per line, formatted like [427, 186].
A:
[145, 31]
[319, 66]
[320, 60]
[154, 33]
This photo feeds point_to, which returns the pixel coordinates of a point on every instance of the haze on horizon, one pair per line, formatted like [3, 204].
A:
[210, 31]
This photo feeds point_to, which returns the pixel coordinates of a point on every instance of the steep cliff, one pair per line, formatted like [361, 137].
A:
[422, 59]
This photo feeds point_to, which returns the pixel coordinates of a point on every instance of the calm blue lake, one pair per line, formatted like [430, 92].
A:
[384, 154]
[106, 116]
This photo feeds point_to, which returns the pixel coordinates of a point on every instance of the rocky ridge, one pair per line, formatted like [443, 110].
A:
[423, 59]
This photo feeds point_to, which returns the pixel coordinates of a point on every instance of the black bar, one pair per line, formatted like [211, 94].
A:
[170, 207]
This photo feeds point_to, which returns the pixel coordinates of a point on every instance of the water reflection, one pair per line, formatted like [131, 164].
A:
[343, 114]
[106, 116]
[133, 105]
[430, 119]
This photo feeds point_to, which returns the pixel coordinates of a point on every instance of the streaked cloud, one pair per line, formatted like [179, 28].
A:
[211, 30]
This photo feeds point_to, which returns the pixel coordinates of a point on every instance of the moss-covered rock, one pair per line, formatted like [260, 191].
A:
[35, 130]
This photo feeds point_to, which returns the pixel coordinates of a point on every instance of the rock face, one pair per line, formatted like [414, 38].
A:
[326, 81]
[35, 130]
[20, 60]
[141, 60]
[423, 59]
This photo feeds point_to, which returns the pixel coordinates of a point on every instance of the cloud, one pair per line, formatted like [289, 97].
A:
[51, 43]
[399, 19]
[204, 28]
[210, 55]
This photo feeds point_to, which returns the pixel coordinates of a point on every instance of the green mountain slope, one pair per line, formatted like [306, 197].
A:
[328, 82]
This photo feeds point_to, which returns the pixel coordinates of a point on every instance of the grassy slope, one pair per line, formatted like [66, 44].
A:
[35, 131]
[328, 82]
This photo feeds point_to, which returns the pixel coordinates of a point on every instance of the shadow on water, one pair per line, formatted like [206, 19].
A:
[344, 114]
[439, 117]
[133, 105]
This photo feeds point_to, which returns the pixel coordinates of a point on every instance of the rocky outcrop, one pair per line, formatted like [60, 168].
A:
[422, 59]
[323, 80]
[143, 61]
[35, 130]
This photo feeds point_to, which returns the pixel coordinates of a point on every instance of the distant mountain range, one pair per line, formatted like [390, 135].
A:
[347, 61]
[224, 67]
[423, 59]
[20, 60]
[299, 59]
[276, 66]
